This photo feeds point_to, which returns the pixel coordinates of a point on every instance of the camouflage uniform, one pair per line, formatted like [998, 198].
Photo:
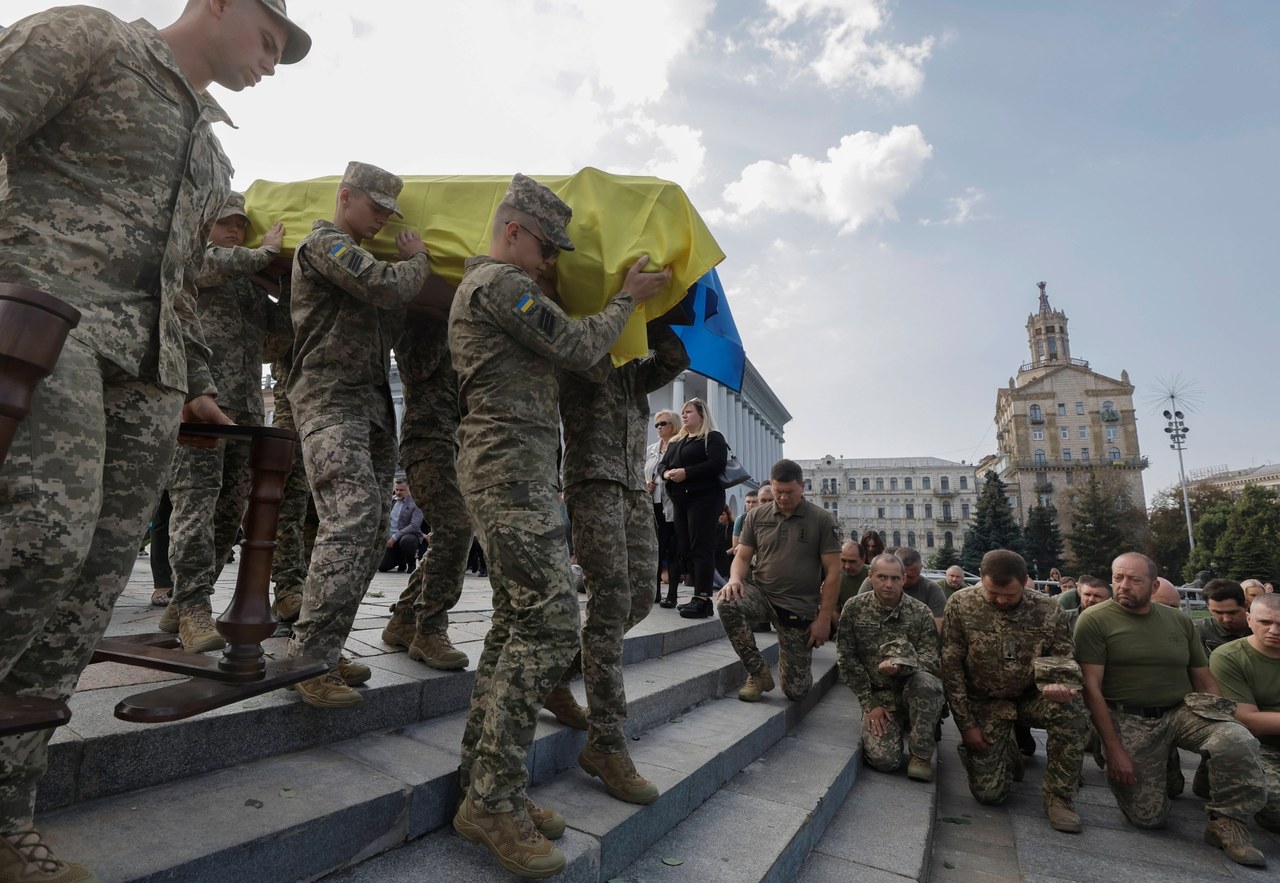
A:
[606, 426]
[989, 677]
[114, 177]
[209, 487]
[869, 634]
[507, 340]
[795, 658]
[429, 454]
[347, 309]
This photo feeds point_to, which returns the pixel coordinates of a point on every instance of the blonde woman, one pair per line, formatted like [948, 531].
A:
[665, 423]
[692, 467]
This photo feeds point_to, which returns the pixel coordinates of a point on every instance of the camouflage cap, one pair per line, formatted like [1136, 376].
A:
[299, 42]
[898, 651]
[1057, 670]
[537, 200]
[233, 207]
[382, 186]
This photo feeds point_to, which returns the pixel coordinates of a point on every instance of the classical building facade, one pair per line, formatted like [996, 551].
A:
[1058, 419]
[922, 502]
[1235, 480]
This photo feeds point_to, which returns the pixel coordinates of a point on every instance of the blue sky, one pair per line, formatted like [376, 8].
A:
[888, 180]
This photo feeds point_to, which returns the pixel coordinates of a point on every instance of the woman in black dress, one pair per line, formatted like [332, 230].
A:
[692, 467]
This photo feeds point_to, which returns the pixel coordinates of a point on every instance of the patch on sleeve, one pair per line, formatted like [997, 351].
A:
[350, 258]
[537, 315]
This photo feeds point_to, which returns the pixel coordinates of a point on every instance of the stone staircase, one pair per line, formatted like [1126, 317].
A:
[272, 790]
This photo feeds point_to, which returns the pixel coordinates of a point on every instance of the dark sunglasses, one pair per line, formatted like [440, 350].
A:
[662, 423]
[549, 248]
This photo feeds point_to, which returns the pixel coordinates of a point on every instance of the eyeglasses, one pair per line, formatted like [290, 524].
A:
[662, 423]
[549, 248]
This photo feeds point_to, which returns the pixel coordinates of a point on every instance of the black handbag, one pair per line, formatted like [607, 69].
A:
[734, 472]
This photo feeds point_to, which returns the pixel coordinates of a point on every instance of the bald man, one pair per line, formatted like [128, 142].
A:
[1166, 593]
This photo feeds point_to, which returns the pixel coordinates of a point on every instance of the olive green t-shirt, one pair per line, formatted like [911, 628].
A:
[1246, 675]
[788, 554]
[1146, 656]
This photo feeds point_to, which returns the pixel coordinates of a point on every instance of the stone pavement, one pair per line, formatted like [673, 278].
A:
[973, 842]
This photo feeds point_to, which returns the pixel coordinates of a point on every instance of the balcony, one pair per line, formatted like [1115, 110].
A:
[1052, 362]
[1029, 464]
[943, 492]
[1044, 487]
[948, 521]
[1109, 416]
[1036, 420]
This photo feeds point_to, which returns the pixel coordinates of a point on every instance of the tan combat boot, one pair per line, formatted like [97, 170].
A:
[1232, 838]
[756, 686]
[512, 837]
[353, 674]
[566, 709]
[197, 631]
[169, 619]
[920, 769]
[401, 627]
[550, 824]
[287, 606]
[619, 775]
[1062, 816]
[328, 690]
[24, 858]
[438, 652]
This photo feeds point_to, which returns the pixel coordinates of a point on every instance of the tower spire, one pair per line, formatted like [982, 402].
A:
[1047, 334]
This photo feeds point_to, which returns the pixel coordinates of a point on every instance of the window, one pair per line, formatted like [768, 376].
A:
[1079, 407]
[964, 482]
[1035, 415]
[883, 538]
[879, 484]
[897, 538]
[1114, 453]
[1084, 432]
[946, 512]
[928, 539]
[826, 505]
[880, 514]
[1037, 435]
[1084, 453]
[944, 483]
[906, 483]
[1040, 458]
[1062, 409]
[808, 484]
[911, 538]
[866, 484]
[911, 510]
[1046, 501]
[946, 539]
[1064, 432]
[1071, 479]
[928, 510]
[893, 484]
[964, 511]
[925, 482]
[853, 484]
[1113, 433]
[1066, 453]
[835, 507]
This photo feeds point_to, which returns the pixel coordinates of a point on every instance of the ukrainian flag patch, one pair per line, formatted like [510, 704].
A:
[526, 304]
[349, 257]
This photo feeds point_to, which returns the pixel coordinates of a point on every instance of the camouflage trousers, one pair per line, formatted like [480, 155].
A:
[436, 584]
[991, 772]
[350, 465]
[1237, 783]
[533, 636]
[1269, 757]
[795, 659]
[82, 478]
[209, 490]
[289, 564]
[916, 710]
[617, 548]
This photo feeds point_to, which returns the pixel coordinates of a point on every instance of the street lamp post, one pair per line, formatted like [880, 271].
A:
[1178, 436]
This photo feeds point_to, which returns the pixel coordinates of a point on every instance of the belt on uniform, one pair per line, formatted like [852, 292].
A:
[1155, 711]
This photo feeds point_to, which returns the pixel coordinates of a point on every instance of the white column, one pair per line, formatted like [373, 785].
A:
[713, 400]
[677, 394]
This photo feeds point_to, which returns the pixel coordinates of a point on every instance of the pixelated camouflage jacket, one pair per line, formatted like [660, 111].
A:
[865, 627]
[114, 179]
[347, 309]
[606, 423]
[236, 316]
[508, 339]
[987, 652]
[429, 381]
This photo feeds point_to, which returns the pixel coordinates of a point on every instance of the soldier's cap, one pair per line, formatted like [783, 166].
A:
[233, 207]
[898, 651]
[532, 198]
[299, 42]
[382, 186]
[1057, 670]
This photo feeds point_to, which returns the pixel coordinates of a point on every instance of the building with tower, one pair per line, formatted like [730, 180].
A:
[1058, 419]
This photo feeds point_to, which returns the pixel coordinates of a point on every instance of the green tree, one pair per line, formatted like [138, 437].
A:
[1210, 553]
[1104, 523]
[943, 558]
[1044, 540]
[1169, 547]
[993, 525]
[1252, 537]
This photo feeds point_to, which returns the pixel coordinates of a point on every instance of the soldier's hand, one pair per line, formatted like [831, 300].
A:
[730, 591]
[409, 243]
[202, 409]
[644, 286]
[1059, 693]
[878, 720]
[1120, 767]
[975, 739]
[888, 668]
[819, 631]
[274, 236]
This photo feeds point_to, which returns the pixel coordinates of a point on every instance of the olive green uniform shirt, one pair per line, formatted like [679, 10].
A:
[1146, 656]
[1246, 675]
[788, 554]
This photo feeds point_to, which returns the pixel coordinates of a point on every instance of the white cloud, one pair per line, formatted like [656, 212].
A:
[835, 41]
[961, 209]
[859, 180]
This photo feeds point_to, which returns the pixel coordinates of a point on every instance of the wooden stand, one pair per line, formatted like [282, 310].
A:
[33, 328]
[243, 669]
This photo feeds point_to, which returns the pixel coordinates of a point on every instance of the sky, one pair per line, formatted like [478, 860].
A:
[888, 181]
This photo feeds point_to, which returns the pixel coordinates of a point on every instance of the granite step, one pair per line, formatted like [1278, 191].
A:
[693, 759]
[97, 755]
[298, 815]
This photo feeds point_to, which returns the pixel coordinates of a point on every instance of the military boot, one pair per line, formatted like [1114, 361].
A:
[920, 769]
[169, 619]
[328, 690]
[288, 605]
[24, 858]
[550, 824]
[619, 775]
[438, 652]
[566, 708]
[512, 837]
[353, 674]
[197, 631]
[756, 686]
[1062, 816]
[1231, 837]
[401, 627]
